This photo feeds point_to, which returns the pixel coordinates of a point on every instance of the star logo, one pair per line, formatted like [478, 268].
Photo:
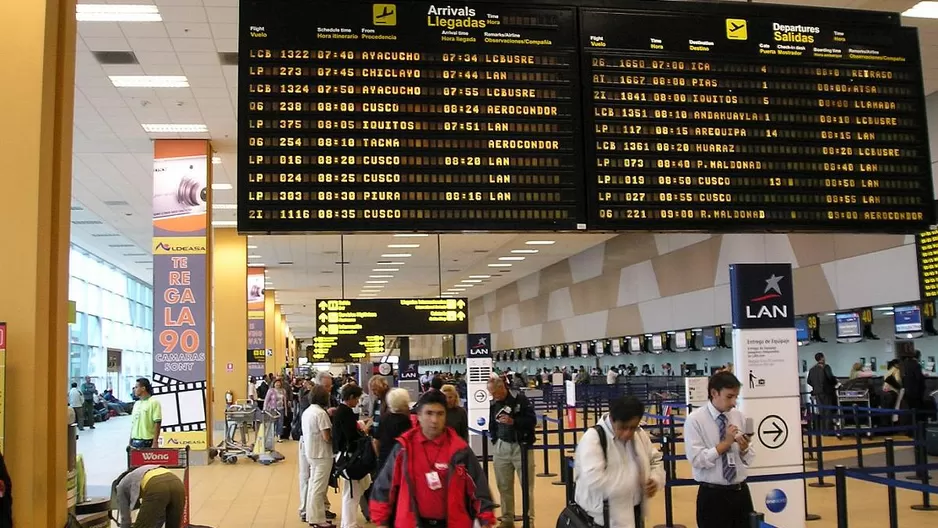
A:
[772, 289]
[481, 343]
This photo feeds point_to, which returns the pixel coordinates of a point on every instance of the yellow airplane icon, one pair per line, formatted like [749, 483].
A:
[384, 15]
[736, 29]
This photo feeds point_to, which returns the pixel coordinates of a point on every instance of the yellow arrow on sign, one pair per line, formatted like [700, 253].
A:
[323, 305]
[460, 304]
[323, 318]
[461, 316]
[324, 329]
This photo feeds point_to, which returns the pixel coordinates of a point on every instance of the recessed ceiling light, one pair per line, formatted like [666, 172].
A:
[540, 242]
[254, 256]
[390, 263]
[224, 223]
[381, 276]
[376, 282]
[216, 160]
[396, 255]
[252, 247]
[224, 206]
[117, 13]
[221, 186]
[480, 276]
[403, 246]
[471, 281]
[923, 10]
[149, 81]
[385, 269]
[168, 128]
[256, 264]
[510, 258]
[524, 251]
[411, 235]
[499, 265]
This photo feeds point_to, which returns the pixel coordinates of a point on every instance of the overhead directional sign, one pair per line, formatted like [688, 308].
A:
[373, 317]
[346, 348]
[773, 431]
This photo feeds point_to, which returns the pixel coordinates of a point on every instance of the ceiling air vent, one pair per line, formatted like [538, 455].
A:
[102, 235]
[136, 254]
[228, 58]
[120, 245]
[87, 222]
[142, 262]
[115, 203]
[286, 262]
[115, 57]
[77, 208]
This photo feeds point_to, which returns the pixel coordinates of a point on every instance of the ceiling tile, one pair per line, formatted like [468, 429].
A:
[100, 29]
[144, 29]
[193, 44]
[226, 45]
[222, 15]
[225, 31]
[151, 44]
[188, 30]
[107, 44]
[209, 58]
[183, 14]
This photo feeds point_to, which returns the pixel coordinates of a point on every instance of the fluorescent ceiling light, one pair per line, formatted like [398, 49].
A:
[411, 235]
[221, 186]
[472, 281]
[390, 263]
[256, 264]
[216, 160]
[524, 251]
[883, 309]
[254, 256]
[385, 269]
[510, 258]
[117, 13]
[149, 81]
[540, 242]
[499, 265]
[224, 223]
[169, 128]
[252, 247]
[224, 206]
[381, 276]
[480, 276]
[923, 10]
[376, 282]
[396, 255]
[403, 246]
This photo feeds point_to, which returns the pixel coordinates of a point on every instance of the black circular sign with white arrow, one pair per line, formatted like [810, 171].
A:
[773, 431]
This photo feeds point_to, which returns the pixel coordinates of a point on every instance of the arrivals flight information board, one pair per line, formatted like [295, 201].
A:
[733, 122]
[411, 115]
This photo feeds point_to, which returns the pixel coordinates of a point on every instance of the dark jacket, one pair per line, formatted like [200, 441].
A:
[521, 411]
[345, 432]
[822, 380]
[913, 380]
[467, 490]
[458, 419]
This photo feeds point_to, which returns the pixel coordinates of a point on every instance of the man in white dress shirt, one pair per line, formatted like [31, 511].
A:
[720, 455]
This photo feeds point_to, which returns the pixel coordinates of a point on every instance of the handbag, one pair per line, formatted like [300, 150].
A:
[574, 516]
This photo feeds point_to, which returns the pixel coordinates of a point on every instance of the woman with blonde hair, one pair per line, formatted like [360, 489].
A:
[393, 424]
[456, 416]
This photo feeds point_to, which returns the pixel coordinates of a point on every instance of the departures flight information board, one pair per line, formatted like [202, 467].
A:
[410, 115]
[360, 116]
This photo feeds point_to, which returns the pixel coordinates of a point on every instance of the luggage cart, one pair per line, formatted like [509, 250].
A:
[848, 398]
[240, 418]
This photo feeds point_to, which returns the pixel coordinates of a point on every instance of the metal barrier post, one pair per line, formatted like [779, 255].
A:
[840, 477]
[891, 490]
[859, 439]
[561, 434]
[820, 465]
[810, 440]
[485, 453]
[919, 439]
[544, 441]
[525, 495]
[921, 449]
[669, 469]
[566, 470]
[755, 520]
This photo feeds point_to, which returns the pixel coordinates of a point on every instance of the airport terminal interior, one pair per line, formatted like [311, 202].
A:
[704, 230]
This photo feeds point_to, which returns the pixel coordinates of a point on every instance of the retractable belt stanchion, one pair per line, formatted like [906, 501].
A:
[566, 469]
[485, 453]
[857, 435]
[918, 439]
[820, 465]
[891, 490]
[921, 449]
[562, 436]
[544, 441]
[804, 490]
[525, 496]
[840, 479]
[667, 448]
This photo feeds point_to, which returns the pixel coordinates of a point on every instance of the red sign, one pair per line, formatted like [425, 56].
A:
[3, 336]
[571, 417]
[157, 457]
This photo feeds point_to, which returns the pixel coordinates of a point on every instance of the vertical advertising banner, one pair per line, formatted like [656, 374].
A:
[180, 296]
[765, 351]
[479, 366]
[256, 329]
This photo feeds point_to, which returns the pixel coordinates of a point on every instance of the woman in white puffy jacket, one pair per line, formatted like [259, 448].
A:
[631, 471]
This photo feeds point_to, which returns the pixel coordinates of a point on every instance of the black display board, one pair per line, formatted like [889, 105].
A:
[359, 116]
[926, 253]
[374, 117]
[708, 121]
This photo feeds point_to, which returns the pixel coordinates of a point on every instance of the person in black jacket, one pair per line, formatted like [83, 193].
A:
[511, 428]
[913, 381]
[456, 416]
[345, 437]
[823, 387]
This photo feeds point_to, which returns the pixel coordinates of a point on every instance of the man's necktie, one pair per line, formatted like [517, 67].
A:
[729, 472]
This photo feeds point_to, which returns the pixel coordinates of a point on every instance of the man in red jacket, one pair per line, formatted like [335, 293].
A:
[432, 477]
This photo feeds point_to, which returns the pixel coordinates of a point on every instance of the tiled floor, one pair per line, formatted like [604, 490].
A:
[252, 495]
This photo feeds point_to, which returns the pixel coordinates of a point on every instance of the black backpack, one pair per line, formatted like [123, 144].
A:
[358, 463]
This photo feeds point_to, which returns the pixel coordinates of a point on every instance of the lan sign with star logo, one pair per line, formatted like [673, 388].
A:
[736, 29]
